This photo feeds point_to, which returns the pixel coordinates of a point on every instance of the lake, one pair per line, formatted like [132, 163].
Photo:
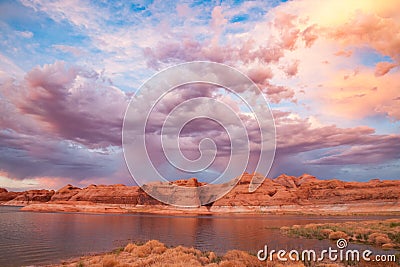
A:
[28, 238]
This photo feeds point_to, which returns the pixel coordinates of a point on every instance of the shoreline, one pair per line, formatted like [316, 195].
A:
[351, 209]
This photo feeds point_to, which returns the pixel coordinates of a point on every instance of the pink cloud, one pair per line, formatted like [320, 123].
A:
[288, 32]
[276, 93]
[217, 22]
[292, 68]
[371, 29]
[310, 35]
[384, 148]
[260, 75]
[61, 122]
[344, 53]
[183, 10]
[358, 145]
[382, 68]
[343, 100]
[72, 103]
[256, 53]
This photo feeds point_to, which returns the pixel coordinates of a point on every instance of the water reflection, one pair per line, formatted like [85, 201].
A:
[38, 238]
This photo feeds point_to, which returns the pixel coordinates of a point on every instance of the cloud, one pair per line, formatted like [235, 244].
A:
[285, 22]
[8, 68]
[183, 10]
[341, 40]
[76, 51]
[384, 148]
[260, 75]
[29, 156]
[382, 68]
[62, 122]
[71, 103]
[79, 13]
[217, 22]
[344, 95]
[344, 53]
[25, 34]
[298, 137]
[276, 93]
[292, 69]
[371, 29]
[310, 35]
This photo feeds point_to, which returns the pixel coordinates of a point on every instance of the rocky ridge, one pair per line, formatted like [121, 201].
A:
[284, 193]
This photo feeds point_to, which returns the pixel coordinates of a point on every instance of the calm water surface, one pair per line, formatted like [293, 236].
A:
[28, 238]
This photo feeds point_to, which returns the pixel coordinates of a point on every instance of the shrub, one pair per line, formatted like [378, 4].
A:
[378, 238]
[326, 232]
[109, 261]
[241, 258]
[395, 237]
[130, 247]
[394, 224]
[118, 250]
[388, 246]
[337, 235]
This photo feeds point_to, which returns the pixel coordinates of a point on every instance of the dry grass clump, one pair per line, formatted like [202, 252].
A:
[109, 261]
[326, 232]
[379, 239]
[239, 258]
[151, 247]
[130, 247]
[385, 234]
[337, 235]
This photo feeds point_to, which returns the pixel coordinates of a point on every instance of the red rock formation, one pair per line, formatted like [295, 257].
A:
[65, 193]
[305, 178]
[285, 190]
[111, 194]
[144, 199]
[308, 190]
[31, 196]
[286, 181]
[191, 182]
[7, 196]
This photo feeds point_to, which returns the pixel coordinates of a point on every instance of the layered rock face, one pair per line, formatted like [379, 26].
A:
[31, 196]
[284, 190]
[308, 190]
[110, 194]
[7, 196]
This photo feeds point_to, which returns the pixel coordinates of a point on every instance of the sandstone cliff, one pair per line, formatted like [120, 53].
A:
[29, 197]
[7, 196]
[308, 190]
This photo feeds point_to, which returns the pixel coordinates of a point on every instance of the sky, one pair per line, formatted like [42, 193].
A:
[68, 69]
